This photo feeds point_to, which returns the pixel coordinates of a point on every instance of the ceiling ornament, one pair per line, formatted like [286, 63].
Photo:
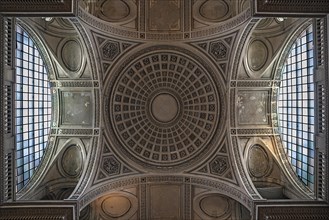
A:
[218, 166]
[110, 166]
[164, 109]
[210, 11]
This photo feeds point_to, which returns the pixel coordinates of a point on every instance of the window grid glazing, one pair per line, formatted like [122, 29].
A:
[32, 107]
[296, 107]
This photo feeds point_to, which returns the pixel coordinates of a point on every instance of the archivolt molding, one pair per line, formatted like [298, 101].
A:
[89, 169]
[258, 130]
[219, 186]
[51, 147]
[149, 35]
[278, 141]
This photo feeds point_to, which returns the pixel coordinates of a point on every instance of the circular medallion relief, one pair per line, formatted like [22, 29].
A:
[115, 9]
[72, 55]
[164, 109]
[257, 55]
[72, 161]
[258, 161]
[215, 206]
[116, 206]
[214, 9]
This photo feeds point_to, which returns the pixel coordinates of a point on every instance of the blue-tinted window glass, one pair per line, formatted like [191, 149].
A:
[30, 105]
[296, 107]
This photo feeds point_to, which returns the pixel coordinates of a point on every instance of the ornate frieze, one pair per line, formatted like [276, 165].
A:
[39, 7]
[277, 8]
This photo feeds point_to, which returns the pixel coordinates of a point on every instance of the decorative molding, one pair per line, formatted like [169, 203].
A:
[279, 8]
[2, 131]
[238, 56]
[254, 83]
[241, 171]
[252, 131]
[89, 48]
[187, 199]
[220, 186]
[223, 27]
[36, 210]
[293, 211]
[39, 8]
[152, 35]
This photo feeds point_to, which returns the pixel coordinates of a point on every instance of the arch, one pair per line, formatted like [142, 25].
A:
[296, 107]
[220, 187]
[33, 105]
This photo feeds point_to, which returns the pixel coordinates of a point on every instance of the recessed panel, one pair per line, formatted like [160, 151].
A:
[257, 55]
[72, 161]
[165, 201]
[164, 15]
[72, 55]
[252, 107]
[77, 108]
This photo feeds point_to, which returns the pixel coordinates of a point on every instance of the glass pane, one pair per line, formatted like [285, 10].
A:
[28, 108]
[296, 108]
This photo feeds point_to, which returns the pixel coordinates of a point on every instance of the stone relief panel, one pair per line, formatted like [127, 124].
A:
[109, 49]
[121, 13]
[167, 191]
[110, 166]
[252, 107]
[114, 205]
[259, 162]
[68, 51]
[71, 57]
[207, 12]
[212, 205]
[264, 169]
[218, 166]
[164, 15]
[72, 161]
[257, 55]
[165, 201]
[164, 20]
[71, 156]
[77, 108]
[219, 49]
[264, 46]
[164, 108]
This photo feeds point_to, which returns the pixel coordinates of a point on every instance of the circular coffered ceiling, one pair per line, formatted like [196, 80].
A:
[164, 108]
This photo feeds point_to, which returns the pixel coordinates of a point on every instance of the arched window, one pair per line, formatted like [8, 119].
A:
[296, 107]
[32, 107]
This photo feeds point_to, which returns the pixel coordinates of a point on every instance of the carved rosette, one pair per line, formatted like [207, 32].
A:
[164, 109]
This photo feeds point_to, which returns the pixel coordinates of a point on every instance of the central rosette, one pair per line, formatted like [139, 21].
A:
[164, 109]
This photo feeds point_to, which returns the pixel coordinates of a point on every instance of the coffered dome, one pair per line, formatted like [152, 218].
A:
[164, 108]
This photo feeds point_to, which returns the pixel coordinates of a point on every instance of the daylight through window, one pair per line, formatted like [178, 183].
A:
[296, 107]
[33, 107]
